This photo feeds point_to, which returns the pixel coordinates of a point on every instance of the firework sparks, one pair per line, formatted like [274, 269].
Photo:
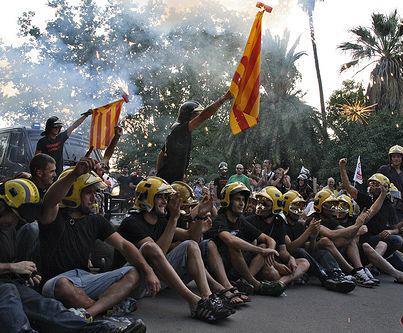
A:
[357, 112]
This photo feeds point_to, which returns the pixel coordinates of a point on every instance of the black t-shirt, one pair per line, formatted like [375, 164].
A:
[383, 220]
[176, 151]
[66, 243]
[54, 148]
[276, 229]
[219, 183]
[135, 179]
[242, 229]
[394, 177]
[125, 190]
[295, 230]
[8, 248]
[135, 228]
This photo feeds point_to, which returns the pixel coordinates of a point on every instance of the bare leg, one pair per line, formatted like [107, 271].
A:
[381, 263]
[216, 265]
[302, 268]
[197, 270]
[71, 296]
[354, 254]
[238, 261]
[381, 248]
[116, 293]
[165, 272]
[327, 244]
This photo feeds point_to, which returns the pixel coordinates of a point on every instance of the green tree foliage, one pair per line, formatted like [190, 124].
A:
[382, 45]
[352, 139]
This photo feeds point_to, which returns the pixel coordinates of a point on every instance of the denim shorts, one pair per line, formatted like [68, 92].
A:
[93, 285]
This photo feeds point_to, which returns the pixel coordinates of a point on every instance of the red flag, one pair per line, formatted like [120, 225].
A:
[104, 120]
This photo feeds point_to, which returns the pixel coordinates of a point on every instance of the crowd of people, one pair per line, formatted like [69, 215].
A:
[247, 234]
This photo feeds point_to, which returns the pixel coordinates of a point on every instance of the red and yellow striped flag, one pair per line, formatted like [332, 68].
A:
[104, 120]
[245, 84]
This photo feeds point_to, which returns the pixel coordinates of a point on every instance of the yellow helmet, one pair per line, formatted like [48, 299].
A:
[322, 197]
[346, 204]
[380, 178]
[292, 198]
[20, 195]
[73, 196]
[396, 150]
[146, 191]
[231, 189]
[274, 195]
[186, 193]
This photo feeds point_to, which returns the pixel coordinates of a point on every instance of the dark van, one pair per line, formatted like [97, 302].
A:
[18, 144]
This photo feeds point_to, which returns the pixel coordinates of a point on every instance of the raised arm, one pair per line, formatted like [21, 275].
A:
[209, 111]
[111, 148]
[78, 122]
[165, 241]
[344, 178]
[59, 189]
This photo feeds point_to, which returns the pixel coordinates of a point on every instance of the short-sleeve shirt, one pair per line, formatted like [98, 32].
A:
[394, 177]
[242, 229]
[66, 243]
[276, 229]
[240, 178]
[219, 183]
[8, 248]
[383, 220]
[53, 148]
[125, 190]
[135, 228]
[294, 231]
[177, 149]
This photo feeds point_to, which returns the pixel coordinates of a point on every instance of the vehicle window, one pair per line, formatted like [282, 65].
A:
[34, 137]
[17, 148]
[3, 144]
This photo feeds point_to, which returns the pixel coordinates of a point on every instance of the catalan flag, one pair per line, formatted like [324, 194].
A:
[245, 83]
[104, 120]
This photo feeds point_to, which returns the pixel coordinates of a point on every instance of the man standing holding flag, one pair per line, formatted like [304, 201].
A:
[174, 156]
[53, 139]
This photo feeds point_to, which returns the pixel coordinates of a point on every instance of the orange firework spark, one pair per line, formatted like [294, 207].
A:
[356, 112]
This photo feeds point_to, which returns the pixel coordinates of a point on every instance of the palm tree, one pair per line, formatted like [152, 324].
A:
[382, 45]
[308, 6]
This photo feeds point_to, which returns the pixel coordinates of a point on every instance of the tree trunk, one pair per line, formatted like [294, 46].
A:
[322, 100]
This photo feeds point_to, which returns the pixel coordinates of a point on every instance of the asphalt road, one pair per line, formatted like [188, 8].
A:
[309, 308]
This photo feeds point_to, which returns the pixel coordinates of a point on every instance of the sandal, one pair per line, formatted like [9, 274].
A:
[243, 296]
[230, 297]
[397, 281]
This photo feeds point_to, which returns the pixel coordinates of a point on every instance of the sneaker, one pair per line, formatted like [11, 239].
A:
[125, 307]
[369, 274]
[210, 309]
[363, 280]
[81, 312]
[119, 324]
[339, 283]
[271, 288]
